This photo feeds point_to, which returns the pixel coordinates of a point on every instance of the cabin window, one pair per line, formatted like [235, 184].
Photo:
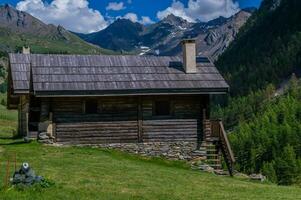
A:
[91, 106]
[161, 108]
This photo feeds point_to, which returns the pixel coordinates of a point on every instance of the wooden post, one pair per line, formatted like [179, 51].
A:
[204, 114]
[207, 106]
[50, 116]
[139, 119]
[54, 131]
[27, 124]
[205, 126]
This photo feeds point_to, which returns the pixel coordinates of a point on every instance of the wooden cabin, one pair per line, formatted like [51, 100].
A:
[97, 99]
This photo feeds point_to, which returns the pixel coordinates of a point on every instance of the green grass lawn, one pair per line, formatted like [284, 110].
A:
[90, 173]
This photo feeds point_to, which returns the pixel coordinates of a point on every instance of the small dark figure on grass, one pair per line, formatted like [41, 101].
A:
[26, 177]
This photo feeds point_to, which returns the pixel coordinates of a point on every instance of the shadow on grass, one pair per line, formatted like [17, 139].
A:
[7, 138]
[154, 160]
[13, 137]
[13, 143]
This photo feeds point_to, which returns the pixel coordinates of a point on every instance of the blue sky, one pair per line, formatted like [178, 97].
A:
[93, 15]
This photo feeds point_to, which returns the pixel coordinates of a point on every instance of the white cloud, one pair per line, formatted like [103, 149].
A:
[115, 6]
[74, 15]
[131, 16]
[134, 18]
[146, 20]
[203, 10]
[177, 8]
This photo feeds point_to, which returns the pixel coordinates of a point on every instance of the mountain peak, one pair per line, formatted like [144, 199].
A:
[124, 24]
[7, 6]
[172, 19]
[20, 28]
[123, 21]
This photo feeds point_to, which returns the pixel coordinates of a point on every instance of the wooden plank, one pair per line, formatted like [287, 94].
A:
[140, 122]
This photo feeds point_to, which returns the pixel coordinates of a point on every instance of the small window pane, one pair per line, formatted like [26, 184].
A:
[162, 108]
[91, 106]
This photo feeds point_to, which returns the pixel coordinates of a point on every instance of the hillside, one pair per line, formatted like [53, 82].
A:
[267, 50]
[164, 37]
[269, 141]
[265, 126]
[101, 173]
[19, 28]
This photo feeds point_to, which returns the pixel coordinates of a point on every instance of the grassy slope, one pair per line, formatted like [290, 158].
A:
[87, 173]
[10, 41]
[8, 119]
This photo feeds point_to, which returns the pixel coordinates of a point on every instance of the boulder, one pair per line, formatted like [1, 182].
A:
[206, 168]
[258, 177]
[221, 172]
[43, 136]
[26, 176]
[241, 175]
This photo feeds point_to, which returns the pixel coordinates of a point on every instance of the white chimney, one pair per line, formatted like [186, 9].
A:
[189, 56]
[26, 50]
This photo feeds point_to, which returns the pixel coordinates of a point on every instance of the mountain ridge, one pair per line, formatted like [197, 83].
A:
[18, 28]
[164, 37]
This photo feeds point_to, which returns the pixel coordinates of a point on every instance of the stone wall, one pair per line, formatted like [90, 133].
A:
[171, 150]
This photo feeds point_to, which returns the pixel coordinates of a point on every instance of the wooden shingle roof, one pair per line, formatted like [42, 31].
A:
[104, 75]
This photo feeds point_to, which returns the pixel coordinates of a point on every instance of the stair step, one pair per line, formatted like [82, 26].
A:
[215, 166]
[212, 155]
[211, 165]
[207, 143]
[213, 160]
[199, 153]
[211, 149]
[212, 139]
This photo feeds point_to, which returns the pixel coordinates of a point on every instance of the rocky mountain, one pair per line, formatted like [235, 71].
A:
[164, 37]
[19, 28]
[122, 35]
[267, 50]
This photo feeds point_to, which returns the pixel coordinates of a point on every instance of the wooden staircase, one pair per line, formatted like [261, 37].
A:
[215, 144]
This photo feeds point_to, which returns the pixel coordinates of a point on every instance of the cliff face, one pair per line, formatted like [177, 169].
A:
[22, 22]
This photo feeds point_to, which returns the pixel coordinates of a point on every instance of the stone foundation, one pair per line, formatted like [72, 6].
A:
[173, 151]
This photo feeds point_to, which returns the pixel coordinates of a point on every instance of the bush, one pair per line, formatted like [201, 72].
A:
[269, 171]
[3, 102]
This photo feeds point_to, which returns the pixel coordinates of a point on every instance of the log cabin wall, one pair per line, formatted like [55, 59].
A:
[114, 122]
[127, 119]
[182, 124]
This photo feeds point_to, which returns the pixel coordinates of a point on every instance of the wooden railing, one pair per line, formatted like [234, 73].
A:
[215, 128]
[218, 130]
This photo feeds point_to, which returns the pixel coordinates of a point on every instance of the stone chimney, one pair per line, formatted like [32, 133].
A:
[189, 56]
[26, 50]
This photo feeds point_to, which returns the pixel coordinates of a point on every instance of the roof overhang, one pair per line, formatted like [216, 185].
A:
[131, 92]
